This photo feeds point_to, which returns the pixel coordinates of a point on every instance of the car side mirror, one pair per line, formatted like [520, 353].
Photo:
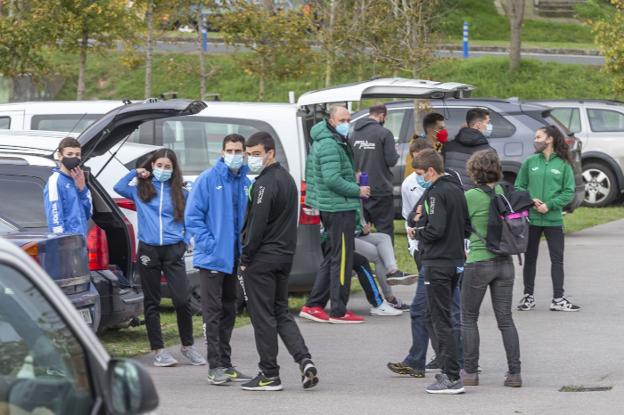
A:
[131, 388]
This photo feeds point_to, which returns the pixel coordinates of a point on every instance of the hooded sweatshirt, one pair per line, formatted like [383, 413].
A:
[375, 153]
[457, 152]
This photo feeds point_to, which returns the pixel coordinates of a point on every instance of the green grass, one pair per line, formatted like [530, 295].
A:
[117, 76]
[487, 24]
[586, 217]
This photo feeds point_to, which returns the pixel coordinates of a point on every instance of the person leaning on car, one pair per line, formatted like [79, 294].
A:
[468, 141]
[374, 152]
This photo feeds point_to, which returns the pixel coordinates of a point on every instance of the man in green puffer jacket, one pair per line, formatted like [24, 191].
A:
[332, 189]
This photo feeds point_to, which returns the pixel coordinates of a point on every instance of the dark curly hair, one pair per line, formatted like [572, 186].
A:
[560, 146]
[484, 167]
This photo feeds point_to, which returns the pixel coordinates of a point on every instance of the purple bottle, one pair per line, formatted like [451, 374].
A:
[364, 181]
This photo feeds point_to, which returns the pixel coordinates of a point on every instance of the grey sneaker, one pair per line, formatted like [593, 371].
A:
[526, 303]
[401, 278]
[217, 376]
[513, 380]
[444, 386]
[563, 305]
[164, 359]
[193, 355]
[470, 379]
[236, 376]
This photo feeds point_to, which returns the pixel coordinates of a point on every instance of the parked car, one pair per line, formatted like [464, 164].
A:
[51, 362]
[26, 165]
[514, 125]
[63, 258]
[600, 126]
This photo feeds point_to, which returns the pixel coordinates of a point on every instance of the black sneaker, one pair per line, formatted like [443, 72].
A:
[309, 374]
[433, 365]
[263, 383]
[527, 303]
[563, 305]
[401, 278]
[401, 368]
[398, 304]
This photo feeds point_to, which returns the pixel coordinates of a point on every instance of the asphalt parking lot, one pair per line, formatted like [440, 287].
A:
[557, 350]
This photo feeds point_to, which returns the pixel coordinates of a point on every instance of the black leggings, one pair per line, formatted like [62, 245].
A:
[554, 238]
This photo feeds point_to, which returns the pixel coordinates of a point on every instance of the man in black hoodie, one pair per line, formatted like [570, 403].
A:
[442, 226]
[468, 141]
[374, 150]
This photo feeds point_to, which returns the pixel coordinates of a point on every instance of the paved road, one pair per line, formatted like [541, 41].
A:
[220, 48]
[558, 349]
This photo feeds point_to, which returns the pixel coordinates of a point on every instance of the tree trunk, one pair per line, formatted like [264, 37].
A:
[261, 81]
[202, 57]
[329, 61]
[149, 48]
[515, 12]
[84, 44]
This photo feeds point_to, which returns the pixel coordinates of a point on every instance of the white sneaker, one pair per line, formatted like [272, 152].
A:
[385, 309]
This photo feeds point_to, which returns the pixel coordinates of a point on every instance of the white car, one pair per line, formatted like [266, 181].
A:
[51, 362]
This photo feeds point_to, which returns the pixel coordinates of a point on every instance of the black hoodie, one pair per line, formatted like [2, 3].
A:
[457, 152]
[375, 152]
[444, 224]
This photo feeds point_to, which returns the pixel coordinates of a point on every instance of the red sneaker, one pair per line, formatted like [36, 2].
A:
[314, 313]
[348, 318]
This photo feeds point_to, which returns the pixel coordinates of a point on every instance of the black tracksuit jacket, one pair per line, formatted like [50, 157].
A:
[270, 230]
[444, 224]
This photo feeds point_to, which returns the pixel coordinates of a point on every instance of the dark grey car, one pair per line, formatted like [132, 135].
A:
[514, 125]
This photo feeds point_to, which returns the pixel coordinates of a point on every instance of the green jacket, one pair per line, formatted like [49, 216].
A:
[479, 212]
[330, 175]
[552, 182]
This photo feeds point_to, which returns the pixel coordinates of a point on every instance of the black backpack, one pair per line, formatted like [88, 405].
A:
[508, 221]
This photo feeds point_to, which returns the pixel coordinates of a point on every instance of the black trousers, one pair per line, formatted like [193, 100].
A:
[167, 260]
[265, 286]
[218, 294]
[380, 212]
[441, 283]
[335, 270]
[555, 240]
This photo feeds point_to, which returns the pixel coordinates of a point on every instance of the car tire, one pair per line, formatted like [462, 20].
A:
[601, 187]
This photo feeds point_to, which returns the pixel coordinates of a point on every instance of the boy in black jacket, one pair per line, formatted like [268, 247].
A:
[269, 239]
[443, 225]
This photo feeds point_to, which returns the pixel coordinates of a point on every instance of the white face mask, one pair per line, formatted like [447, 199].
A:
[256, 164]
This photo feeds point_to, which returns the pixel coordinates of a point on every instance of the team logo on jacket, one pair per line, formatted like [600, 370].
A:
[555, 171]
[260, 194]
[535, 168]
[145, 260]
[364, 145]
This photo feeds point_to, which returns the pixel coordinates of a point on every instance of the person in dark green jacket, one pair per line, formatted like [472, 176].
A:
[332, 189]
[548, 177]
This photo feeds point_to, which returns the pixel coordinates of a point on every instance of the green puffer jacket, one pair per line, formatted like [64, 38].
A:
[552, 182]
[330, 175]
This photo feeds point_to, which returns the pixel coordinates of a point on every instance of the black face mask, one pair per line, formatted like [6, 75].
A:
[382, 122]
[71, 162]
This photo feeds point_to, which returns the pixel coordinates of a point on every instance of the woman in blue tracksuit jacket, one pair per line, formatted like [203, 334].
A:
[158, 193]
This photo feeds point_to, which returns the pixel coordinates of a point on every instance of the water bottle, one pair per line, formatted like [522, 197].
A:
[364, 181]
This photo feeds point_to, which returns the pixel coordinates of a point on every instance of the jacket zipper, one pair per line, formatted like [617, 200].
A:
[161, 212]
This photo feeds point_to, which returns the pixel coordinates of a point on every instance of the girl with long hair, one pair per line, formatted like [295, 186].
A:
[158, 193]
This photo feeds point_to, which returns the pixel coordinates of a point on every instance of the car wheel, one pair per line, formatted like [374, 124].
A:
[196, 307]
[600, 185]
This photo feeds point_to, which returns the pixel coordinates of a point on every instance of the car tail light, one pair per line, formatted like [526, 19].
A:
[125, 203]
[307, 215]
[97, 245]
[131, 236]
[32, 249]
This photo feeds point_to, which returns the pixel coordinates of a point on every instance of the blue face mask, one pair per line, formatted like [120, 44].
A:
[256, 164]
[488, 130]
[162, 175]
[422, 182]
[233, 161]
[343, 129]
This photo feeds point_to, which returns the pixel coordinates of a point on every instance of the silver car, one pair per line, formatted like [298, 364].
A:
[600, 126]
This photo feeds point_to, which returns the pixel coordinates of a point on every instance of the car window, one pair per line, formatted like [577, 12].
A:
[394, 122]
[26, 192]
[43, 367]
[6, 227]
[605, 120]
[456, 118]
[198, 141]
[5, 123]
[570, 117]
[75, 123]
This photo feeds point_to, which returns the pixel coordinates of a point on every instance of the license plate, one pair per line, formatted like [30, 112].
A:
[86, 315]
